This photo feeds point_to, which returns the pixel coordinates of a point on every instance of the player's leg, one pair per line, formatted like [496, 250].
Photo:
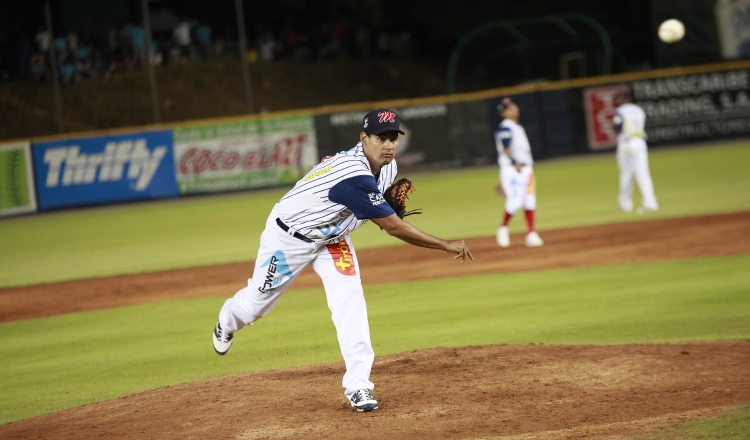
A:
[625, 165]
[503, 235]
[281, 258]
[512, 184]
[338, 268]
[643, 177]
[529, 197]
[529, 205]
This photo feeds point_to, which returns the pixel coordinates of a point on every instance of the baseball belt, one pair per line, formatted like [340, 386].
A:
[297, 235]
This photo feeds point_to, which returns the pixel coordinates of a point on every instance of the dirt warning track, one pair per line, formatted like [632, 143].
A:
[637, 242]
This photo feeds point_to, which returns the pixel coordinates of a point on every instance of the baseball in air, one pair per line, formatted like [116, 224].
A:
[671, 31]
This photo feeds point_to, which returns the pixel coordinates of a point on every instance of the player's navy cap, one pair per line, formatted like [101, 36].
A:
[504, 103]
[379, 121]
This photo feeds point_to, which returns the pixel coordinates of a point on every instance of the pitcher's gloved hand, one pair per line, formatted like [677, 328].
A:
[397, 194]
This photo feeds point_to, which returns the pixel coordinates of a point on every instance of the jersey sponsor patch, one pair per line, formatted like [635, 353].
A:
[376, 198]
[318, 173]
[343, 259]
[329, 230]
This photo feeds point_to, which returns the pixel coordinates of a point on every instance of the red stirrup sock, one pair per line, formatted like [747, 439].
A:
[530, 219]
[506, 219]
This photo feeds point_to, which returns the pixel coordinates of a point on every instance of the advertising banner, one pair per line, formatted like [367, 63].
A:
[458, 134]
[684, 108]
[695, 107]
[16, 179]
[89, 171]
[600, 109]
[434, 134]
[340, 131]
[245, 154]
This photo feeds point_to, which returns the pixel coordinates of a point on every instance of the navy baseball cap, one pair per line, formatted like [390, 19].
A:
[379, 121]
[504, 103]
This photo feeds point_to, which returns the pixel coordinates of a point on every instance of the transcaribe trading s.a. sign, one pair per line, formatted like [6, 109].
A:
[695, 107]
[683, 108]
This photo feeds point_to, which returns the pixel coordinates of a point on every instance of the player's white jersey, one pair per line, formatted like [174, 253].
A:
[337, 196]
[631, 120]
[512, 135]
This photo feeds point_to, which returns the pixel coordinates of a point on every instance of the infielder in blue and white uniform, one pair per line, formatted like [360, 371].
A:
[516, 173]
[632, 155]
[310, 225]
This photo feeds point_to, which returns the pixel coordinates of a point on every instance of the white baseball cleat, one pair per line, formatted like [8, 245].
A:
[222, 340]
[503, 236]
[641, 210]
[533, 239]
[363, 401]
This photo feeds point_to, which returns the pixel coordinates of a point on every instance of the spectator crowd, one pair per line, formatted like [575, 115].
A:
[123, 48]
[116, 50]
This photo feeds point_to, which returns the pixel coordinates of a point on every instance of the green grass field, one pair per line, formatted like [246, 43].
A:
[60, 362]
[222, 229]
[80, 358]
[734, 426]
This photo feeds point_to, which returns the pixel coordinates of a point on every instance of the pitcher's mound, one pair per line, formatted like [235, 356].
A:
[526, 391]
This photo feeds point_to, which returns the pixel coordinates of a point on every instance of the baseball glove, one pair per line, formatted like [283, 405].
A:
[397, 194]
[500, 191]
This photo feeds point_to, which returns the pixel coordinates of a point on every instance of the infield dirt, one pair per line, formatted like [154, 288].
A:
[525, 391]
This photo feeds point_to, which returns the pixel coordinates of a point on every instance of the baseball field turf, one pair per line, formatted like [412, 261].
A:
[50, 364]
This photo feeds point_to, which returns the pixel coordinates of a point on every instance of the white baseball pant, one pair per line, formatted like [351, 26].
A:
[281, 258]
[632, 159]
[519, 188]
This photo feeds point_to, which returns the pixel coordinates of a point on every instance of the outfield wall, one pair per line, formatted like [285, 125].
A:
[683, 105]
[17, 195]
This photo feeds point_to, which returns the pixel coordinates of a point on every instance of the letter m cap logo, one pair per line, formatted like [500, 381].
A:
[386, 117]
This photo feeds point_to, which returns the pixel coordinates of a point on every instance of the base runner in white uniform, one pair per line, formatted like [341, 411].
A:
[310, 225]
[632, 156]
[516, 173]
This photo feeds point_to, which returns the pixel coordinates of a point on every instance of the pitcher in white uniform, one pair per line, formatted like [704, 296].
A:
[310, 226]
[632, 156]
[516, 173]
